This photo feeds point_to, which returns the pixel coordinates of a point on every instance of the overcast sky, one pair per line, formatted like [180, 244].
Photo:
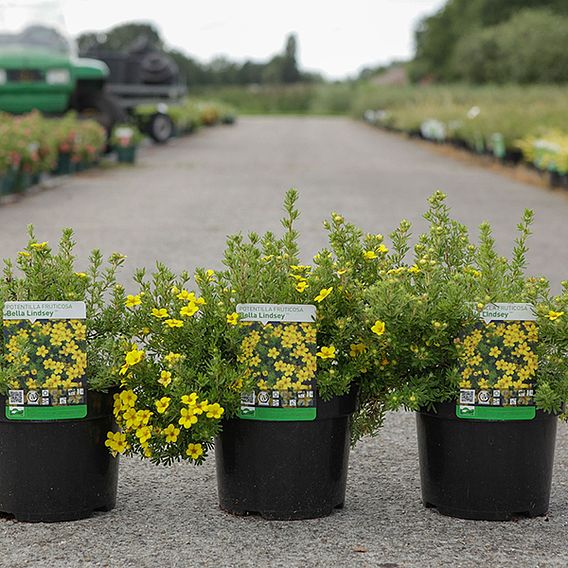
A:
[335, 37]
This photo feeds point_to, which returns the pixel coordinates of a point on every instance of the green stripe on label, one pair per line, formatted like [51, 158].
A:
[46, 412]
[278, 414]
[496, 413]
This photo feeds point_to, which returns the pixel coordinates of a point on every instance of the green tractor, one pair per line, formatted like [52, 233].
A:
[39, 69]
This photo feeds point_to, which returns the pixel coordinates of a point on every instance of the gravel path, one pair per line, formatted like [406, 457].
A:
[178, 205]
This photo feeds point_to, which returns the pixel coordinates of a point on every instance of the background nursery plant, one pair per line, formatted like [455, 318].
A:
[427, 308]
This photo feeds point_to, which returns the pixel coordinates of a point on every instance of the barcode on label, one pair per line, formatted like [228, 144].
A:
[467, 396]
[15, 397]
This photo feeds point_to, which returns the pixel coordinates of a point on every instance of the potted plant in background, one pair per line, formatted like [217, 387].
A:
[10, 157]
[125, 140]
[59, 332]
[480, 352]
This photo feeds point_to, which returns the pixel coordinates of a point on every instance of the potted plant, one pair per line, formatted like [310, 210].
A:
[190, 364]
[59, 331]
[284, 453]
[480, 352]
[125, 140]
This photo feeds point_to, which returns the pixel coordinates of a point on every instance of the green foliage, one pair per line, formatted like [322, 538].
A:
[438, 35]
[41, 274]
[497, 55]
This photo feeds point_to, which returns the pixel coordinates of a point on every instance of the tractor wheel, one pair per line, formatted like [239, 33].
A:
[160, 128]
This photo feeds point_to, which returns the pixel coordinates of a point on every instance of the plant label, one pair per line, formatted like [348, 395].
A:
[498, 364]
[45, 343]
[279, 347]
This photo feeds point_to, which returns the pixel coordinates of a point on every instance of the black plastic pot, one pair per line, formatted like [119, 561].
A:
[485, 470]
[126, 155]
[58, 470]
[286, 470]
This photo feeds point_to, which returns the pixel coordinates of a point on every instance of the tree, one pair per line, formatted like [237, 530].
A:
[438, 35]
[121, 37]
[290, 72]
[496, 55]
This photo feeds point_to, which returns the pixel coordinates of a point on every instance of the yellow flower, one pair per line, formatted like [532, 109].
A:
[379, 327]
[173, 323]
[160, 312]
[133, 357]
[187, 296]
[162, 404]
[214, 411]
[25, 253]
[116, 442]
[143, 434]
[191, 309]
[357, 349]
[324, 293]
[190, 399]
[39, 246]
[144, 416]
[80, 275]
[301, 285]
[495, 352]
[369, 255]
[131, 418]
[173, 358]
[326, 352]
[552, 315]
[233, 318]
[273, 353]
[132, 301]
[171, 433]
[165, 378]
[414, 269]
[188, 418]
[128, 398]
[383, 249]
[42, 351]
[194, 451]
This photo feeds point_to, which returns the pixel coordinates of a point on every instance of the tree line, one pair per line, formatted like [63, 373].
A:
[280, 69]
[494, 41]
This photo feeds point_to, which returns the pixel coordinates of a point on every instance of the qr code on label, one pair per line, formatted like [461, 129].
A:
[15, 397]
[467, 396]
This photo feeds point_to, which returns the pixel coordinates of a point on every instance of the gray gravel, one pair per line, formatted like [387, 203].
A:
[178, 205]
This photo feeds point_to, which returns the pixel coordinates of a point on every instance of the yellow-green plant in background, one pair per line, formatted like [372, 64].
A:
[547, 152]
